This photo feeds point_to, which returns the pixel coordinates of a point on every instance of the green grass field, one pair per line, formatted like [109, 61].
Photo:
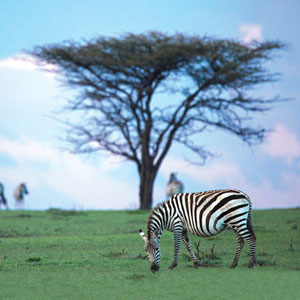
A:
[99, 255]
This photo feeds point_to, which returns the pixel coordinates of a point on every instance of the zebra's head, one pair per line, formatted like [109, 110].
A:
[152, 248]
[172, 177]
[23, 188]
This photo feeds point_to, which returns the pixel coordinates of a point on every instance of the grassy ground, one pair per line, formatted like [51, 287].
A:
[99, 255]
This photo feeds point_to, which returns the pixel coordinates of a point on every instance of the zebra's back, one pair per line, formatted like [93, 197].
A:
[208, 213]
[17, 194]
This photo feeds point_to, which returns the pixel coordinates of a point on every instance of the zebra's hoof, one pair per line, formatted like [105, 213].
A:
[251, 264]
[233, 266]
[172, 266]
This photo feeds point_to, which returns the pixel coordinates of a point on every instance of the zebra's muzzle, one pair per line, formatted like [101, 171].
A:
[154, 267]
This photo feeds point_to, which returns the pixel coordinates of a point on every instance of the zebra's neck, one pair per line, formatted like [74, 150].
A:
[156, 220]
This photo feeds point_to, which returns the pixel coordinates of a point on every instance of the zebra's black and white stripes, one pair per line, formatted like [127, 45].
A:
[19, 195]
[2, 197]
[203, 214]
[174, 186]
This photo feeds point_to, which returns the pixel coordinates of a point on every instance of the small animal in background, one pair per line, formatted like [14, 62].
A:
[174, 186]
[19, 193]
[2, 197]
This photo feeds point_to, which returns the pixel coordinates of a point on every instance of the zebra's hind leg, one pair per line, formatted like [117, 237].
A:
[188, 246]
[252, 244]
[239, 247]
[251, 239]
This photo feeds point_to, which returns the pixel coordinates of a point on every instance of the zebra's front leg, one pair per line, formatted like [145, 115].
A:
[188, 246]
[177, 239]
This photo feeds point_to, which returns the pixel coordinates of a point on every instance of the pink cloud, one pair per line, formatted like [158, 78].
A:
[251, 33]
[210, 175]
[282, 143]
[264, 194]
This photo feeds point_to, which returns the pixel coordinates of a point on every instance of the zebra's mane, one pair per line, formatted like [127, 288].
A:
[154, 211]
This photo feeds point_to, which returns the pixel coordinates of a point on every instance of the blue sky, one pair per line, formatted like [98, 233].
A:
[31, 149]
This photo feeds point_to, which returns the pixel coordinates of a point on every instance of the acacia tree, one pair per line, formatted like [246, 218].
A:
[120, 82]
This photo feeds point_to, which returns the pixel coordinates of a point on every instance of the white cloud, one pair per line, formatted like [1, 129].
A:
[251, 32]
[28, 150]
[89, 185]
[25, 62]
[17, 63]
[94, 185]
[282, 143]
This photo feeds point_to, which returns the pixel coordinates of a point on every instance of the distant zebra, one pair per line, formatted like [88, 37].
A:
[19, 193]
[2, 197]
[174, 186]
[203, 214]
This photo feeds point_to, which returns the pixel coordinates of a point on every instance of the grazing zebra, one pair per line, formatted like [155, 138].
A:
[203, 214]
[174, 186]
[2, 197]
[19, 193]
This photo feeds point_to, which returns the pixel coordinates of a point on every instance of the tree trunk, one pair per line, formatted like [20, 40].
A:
[147, 177]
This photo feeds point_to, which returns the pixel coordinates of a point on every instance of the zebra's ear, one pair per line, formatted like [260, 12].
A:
[142, 234]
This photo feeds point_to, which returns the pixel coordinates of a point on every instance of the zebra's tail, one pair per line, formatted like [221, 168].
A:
[249, 224]
[249, 219]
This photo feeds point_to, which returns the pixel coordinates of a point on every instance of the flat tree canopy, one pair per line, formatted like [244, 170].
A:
[120, 82]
